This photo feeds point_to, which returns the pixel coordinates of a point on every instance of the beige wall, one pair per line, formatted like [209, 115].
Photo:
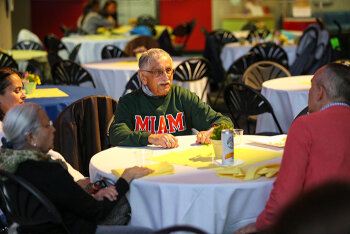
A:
[5, 27]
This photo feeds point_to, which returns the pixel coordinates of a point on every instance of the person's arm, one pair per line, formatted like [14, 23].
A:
[292, 174]
[121, 132]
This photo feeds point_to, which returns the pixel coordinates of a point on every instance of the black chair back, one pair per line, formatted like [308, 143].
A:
[259, 72]
[193, 69]
[81, 130]
[133, 84]
[183, 32]
[238, 67]
[27, 45]
[26, 204]
[53, 43]
[112, 51]
[70, 73]
[257, 34]
[243, 101]
[7, 61]
[272, 52]
[73, 54]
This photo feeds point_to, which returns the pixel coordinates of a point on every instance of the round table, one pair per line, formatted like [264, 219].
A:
[190, 196]
[54, 105]
[112, 76]
[91, 45]
[287, 96]
[232, 51]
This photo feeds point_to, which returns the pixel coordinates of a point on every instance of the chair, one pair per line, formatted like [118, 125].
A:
[234, 73]
[81, 130]
[7, 61]
[182, 33]
[25, 34]
[70, 73]
[271, 51]
[257, 34]
[54, 44]
[146, 41]
[26, 204]
[73, 54]
[259, 72]
[53, 58]
[242, 100]
[180, 228]
[193, 69]
[112, 51]
[27, 45]
[133, 84]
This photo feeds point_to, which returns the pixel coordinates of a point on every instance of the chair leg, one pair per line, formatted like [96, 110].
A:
[206, 85]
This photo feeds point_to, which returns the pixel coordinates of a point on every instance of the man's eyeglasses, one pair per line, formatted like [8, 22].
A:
[159, 73]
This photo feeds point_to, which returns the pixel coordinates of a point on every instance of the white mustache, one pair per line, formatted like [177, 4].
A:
[163, 83]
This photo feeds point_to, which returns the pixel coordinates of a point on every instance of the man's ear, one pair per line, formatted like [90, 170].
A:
[30, 138]
[142, 77]
[321, 94]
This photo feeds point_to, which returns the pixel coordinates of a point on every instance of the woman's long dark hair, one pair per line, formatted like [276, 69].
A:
[5, 73]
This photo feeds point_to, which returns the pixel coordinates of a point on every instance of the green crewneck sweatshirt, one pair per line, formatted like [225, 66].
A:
[138, 116]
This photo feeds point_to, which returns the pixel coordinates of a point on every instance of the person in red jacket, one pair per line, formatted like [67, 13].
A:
[318, 145]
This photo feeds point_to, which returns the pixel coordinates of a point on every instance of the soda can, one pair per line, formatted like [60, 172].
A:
[227, 146]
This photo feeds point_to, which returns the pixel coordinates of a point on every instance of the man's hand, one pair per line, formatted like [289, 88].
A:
[164, 140]
[203, 137]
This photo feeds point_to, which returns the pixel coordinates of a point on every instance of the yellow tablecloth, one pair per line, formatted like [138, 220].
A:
[25, 55]
[45, 93]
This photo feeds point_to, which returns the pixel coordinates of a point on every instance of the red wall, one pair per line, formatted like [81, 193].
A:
[174, 12]
[48, 15]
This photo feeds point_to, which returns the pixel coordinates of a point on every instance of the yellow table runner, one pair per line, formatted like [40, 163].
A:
[305, 82]
[202, 157]
[44, 93]
[162, 168]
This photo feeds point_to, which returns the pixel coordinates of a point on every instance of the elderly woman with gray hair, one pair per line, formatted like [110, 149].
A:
[30, 136]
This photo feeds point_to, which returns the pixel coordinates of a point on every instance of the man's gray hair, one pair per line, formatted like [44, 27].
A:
[335, 78]
[19, 121]
[151, 54]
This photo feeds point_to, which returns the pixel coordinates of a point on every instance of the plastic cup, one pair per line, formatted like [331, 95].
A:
[238, 136]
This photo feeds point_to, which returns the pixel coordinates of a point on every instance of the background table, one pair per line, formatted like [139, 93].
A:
[233, 51]
[112, 76]
[191, 196]
[91, 45]
[54, 105]
[288, 96]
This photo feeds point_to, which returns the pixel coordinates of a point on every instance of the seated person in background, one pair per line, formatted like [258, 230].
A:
[91, 20]
[159, 110]
[109, 11]
[318, 145]
[29, 131]
[324, 209]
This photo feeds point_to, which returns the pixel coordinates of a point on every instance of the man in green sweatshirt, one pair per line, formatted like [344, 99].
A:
[159, 111]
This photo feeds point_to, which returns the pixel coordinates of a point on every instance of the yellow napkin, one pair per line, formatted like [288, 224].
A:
[268, 170]
[162, 168]
[44, 93]
[252, 156]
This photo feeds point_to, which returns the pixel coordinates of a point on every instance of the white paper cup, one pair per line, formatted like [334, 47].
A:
[238, 136]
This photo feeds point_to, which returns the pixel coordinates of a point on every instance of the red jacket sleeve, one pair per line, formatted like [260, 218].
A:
[291, 177]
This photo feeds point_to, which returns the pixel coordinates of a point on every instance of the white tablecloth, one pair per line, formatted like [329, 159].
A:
[112, 75]
[233, 51]
[288, 96]
[191, 196]
[91, 45]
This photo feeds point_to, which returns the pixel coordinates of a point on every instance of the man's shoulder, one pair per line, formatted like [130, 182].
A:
[131, 96]
[181, 91]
